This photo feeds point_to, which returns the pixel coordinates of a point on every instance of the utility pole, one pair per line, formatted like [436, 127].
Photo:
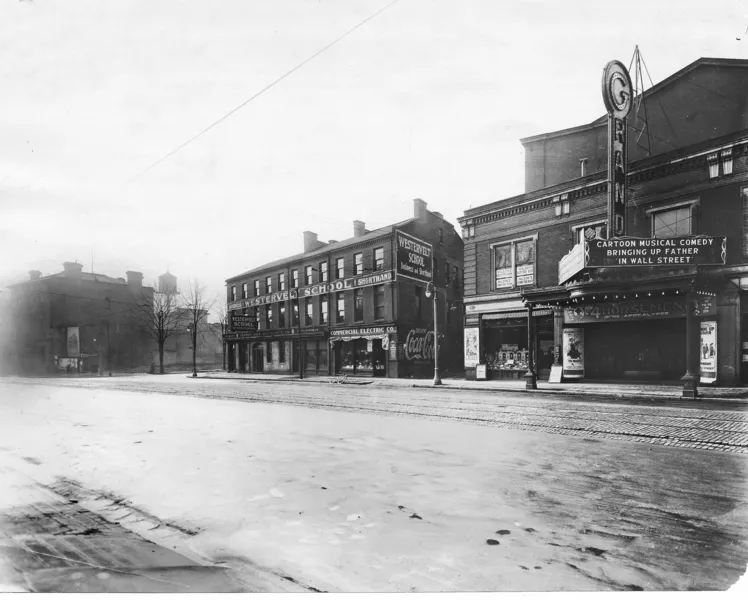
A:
[431, 292]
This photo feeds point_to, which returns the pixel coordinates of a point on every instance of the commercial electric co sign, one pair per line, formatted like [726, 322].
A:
[414, 258]
[643, 252]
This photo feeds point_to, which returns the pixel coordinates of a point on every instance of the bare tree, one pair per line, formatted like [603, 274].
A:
[195, 308]
[162, 319]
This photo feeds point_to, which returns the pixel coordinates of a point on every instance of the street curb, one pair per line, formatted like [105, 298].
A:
[577, 393]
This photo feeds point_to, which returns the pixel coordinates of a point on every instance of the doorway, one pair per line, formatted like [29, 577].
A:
[258, 358]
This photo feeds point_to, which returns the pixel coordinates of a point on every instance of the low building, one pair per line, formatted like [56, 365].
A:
[635, 314]
[80, 321]
[356, 307]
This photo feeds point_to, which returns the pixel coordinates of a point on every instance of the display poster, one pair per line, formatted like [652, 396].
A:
[708, 352]
[573, 353]
[472, 351]
[73, 342]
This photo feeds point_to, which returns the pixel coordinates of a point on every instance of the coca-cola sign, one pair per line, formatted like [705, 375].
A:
[419, 345]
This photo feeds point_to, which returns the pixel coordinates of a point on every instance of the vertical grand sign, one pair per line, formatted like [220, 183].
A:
[618, 96]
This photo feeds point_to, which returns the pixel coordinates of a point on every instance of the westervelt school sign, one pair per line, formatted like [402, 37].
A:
[639, 252]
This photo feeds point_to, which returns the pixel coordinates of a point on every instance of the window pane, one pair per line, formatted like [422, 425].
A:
[323, 311]
[340, 307]
[672, 223]
[745, 220]
[309, 312]
[340, 268]
[281, 315]
[358, 305]
[281, 281]
[358, 264]
[503, 266]
[378, 259]
[323, 271]
[379, 302]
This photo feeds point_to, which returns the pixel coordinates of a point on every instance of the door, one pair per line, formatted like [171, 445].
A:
[378, 359]
[258, 358]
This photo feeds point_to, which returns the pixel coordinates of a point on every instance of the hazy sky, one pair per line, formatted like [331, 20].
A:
[428, 99]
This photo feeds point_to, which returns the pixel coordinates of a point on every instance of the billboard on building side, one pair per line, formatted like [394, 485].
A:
[414, 258]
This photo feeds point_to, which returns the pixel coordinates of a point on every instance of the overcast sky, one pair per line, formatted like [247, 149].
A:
[428, 99]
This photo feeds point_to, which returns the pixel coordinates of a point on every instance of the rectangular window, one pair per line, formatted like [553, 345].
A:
[418, 295]
[281, 281]
[591, 231]
[244, 290]
[379, 259]
[358, 305]
[514, 264]
[270, 352]
[456, 279]
[323, 271]
[358, 264]
[295, 278]
[268, 317]
[323, 310]
[340, 268]
[257, 287]
[281, 315]
[233, 293]
[281, 352]
[340, 307]
[294, 313]
[308, 275]
[441, 235]
[309, 312]
[379, 302]
[672, 223]
[268, 284]
[446, 273]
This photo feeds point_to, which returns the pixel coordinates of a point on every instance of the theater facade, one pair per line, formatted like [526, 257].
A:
[355, 307]
[627, 264]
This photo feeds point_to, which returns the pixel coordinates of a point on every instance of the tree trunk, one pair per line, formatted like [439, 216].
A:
[161, 358]
[194, 352]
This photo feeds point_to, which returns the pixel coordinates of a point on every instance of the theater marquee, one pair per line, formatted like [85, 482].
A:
[652, 252]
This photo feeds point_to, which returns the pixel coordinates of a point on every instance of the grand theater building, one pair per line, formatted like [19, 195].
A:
[548, 285]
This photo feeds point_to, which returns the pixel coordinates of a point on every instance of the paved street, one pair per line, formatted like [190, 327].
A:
[356, 488]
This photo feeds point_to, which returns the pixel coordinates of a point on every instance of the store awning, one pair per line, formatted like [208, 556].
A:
[348, 338]
[518, 314]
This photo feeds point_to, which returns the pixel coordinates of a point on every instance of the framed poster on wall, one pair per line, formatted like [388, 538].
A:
[573, 350]
[708, 352]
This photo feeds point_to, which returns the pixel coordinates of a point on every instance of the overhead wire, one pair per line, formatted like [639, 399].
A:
[262, 91]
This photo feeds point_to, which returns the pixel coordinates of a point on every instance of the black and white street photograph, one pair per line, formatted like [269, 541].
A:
[373, 296]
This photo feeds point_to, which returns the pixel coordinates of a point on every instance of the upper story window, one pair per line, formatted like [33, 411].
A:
[323, 310]
[358, 304]
[308, 275]
[446, 273]
[281, 315]
[268, 317]
[340, 307]
[358, 264]
[281, 281]
[309, 312]
[257, 287]
[294, 313]
[268, 284]
[418, 301]
[514, 263]
[378, 302]
[233, 293]
[244, 290]
[379, 259]
[441, 235]
[673, 220]
[590, 231]
[340, 268]
[744, 194]
[295, 278]
[323, 271]
[456, 279]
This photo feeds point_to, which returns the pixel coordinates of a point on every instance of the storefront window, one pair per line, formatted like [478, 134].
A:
[348, 356]
[506, 348]
[363, 359]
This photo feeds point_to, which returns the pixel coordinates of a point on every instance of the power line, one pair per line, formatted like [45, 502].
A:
[262, 91]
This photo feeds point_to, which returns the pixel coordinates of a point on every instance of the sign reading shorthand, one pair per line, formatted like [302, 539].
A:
[636, 252]
[414, 258]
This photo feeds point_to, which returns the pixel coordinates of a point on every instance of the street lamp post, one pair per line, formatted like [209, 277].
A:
[431, 292]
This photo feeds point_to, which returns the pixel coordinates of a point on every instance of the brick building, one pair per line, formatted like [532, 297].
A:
[689, 177]
[353, 307]
[86, 320]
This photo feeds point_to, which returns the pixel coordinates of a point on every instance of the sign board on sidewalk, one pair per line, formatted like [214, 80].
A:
[480, 371]
[557, 372]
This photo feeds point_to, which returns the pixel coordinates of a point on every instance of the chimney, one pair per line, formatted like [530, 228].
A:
[34, 275]
[419, 208]
[333, 242]
[359, 228]
[134, 279]
[73, 270]
[310, 241]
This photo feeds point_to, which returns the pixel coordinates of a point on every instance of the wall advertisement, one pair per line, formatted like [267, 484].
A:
[73, 342]
[414, 258]
[708, 352]
[573, 353]
[472, 356]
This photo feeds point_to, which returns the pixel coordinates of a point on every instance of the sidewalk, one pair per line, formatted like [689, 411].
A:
[599, 389]
[49, 543]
